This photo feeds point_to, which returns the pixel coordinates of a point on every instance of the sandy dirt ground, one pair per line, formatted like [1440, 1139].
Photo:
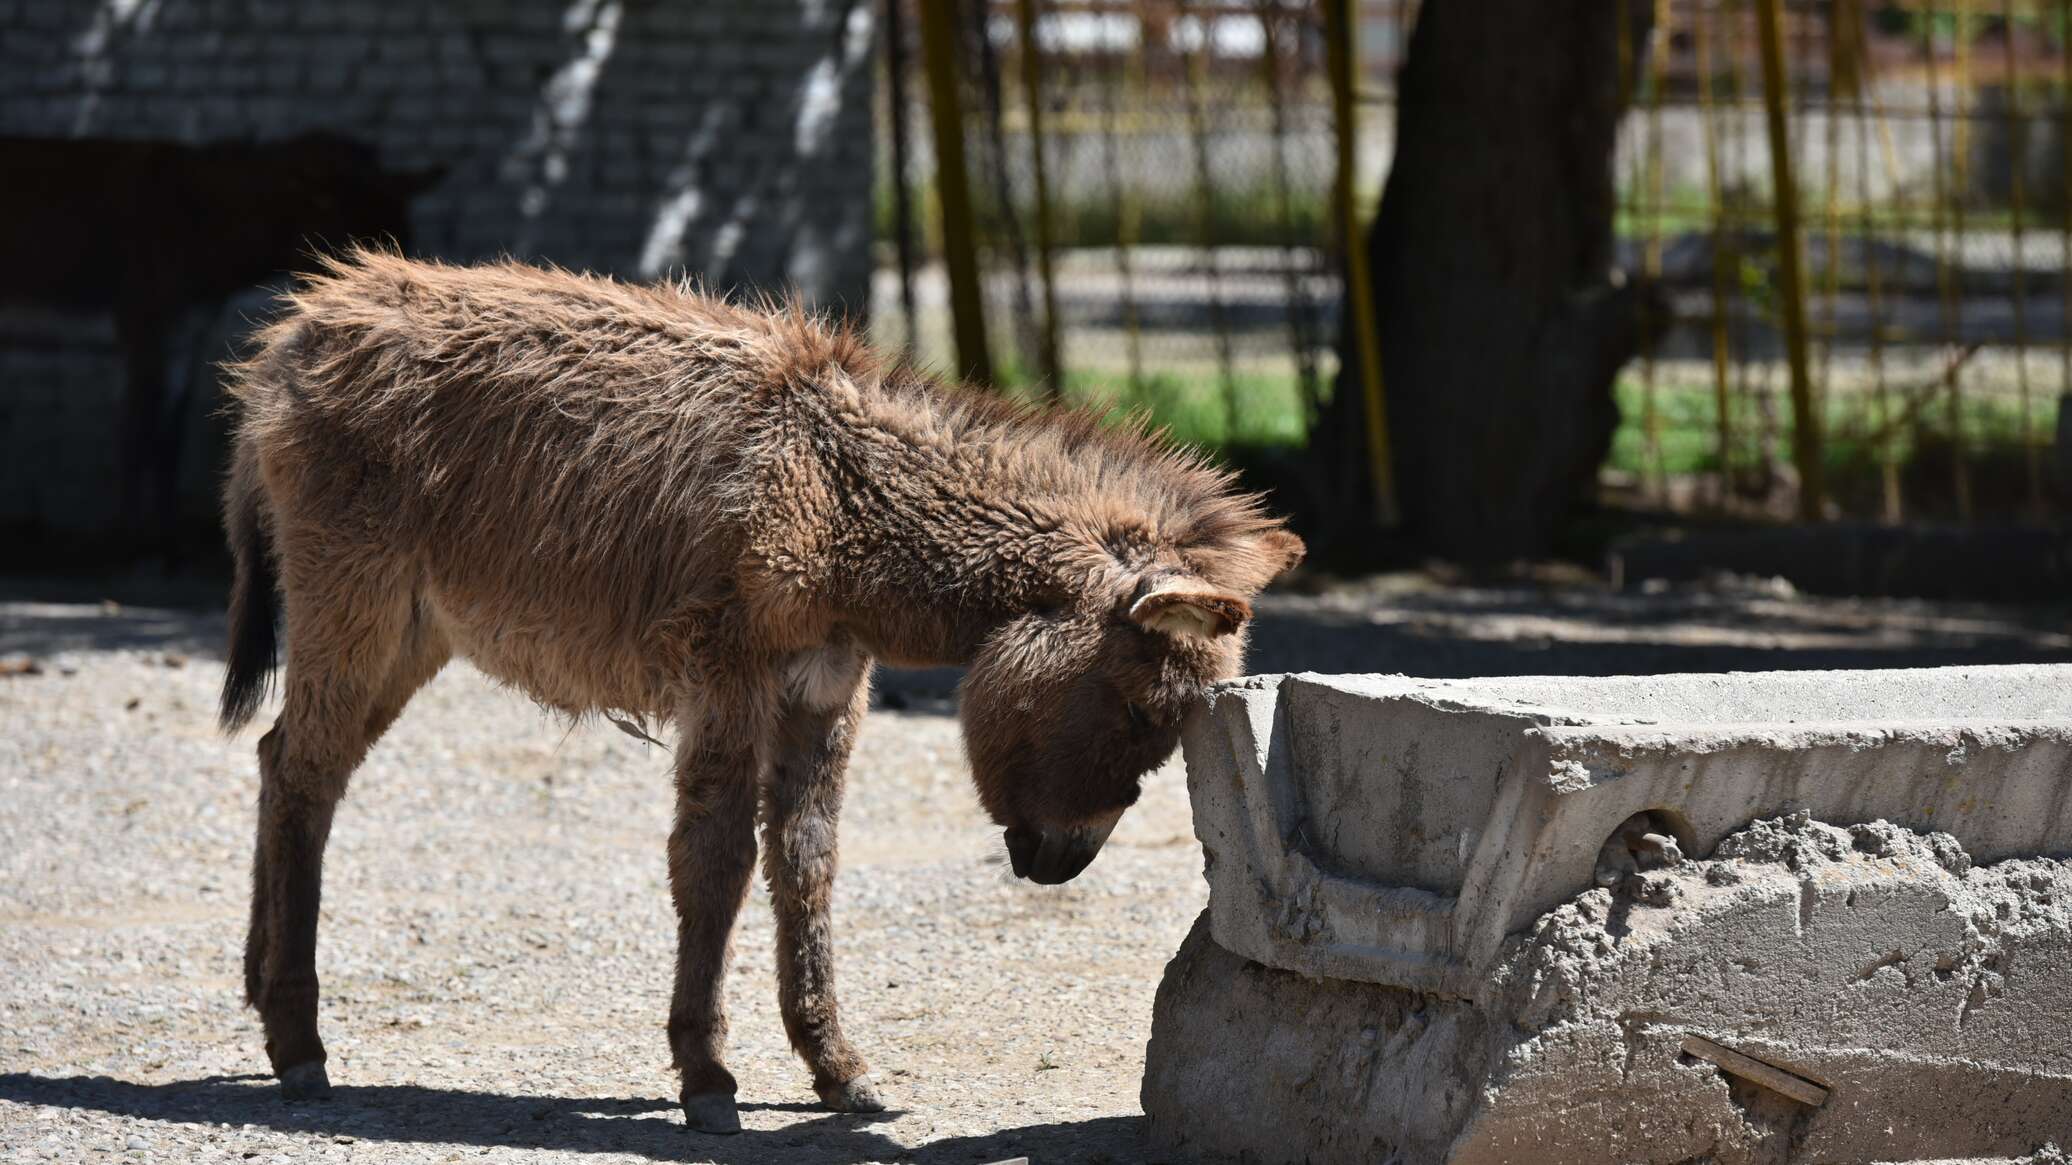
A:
[497, 942]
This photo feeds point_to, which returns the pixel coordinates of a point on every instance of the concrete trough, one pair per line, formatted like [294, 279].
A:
[1417, 869]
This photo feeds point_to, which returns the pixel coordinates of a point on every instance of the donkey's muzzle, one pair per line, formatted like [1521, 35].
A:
[1049, 857]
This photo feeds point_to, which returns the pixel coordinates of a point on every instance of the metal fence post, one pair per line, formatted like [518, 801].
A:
[1032, 94]
[953, 187]
[1806, 421]
[1342, 50]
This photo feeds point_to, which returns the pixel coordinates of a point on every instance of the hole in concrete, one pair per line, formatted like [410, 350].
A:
[1651, 839]
[1677, 826]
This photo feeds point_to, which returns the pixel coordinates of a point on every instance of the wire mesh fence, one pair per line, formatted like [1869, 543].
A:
[1188, 153]
[1153, 225]
[1928, 149]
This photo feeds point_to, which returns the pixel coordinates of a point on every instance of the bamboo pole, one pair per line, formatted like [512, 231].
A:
[1342, 52]
[1805, 432]
[939, 33]
[1032, 95]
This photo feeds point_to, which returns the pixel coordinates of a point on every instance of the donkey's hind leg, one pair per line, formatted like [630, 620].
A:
[801, 805]
[355, 653]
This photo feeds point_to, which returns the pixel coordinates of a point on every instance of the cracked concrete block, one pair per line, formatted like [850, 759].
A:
[1925, 1001]
[1406, 957]
[1394, 830]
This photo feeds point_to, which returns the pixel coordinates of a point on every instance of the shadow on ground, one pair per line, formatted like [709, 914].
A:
[648, 1127]
[1418, 630]
[1464, 632]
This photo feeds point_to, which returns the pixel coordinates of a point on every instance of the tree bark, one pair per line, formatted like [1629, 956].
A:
[1502, 320]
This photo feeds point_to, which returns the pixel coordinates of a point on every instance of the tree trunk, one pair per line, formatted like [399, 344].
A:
[1502, 320]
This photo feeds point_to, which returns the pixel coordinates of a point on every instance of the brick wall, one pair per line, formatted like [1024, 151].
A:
[726, 138]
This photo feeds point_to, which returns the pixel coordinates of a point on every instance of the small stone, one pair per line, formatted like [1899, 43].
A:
[136, 1141]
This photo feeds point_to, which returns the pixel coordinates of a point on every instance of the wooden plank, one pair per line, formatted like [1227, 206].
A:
[1748, 1068]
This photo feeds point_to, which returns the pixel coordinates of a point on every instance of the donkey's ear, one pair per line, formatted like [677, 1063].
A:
[1183, 613]
[1283, 548]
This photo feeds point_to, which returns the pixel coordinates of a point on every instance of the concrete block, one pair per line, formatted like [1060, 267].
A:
[1410, 955]
[1394, 830]
[1853, 996]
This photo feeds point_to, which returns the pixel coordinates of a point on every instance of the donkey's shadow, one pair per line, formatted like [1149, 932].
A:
[649, 1127]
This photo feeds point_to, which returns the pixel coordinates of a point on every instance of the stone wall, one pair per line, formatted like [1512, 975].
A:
[729, 139]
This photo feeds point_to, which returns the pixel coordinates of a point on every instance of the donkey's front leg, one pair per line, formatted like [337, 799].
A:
[803, 801]
[711, 856]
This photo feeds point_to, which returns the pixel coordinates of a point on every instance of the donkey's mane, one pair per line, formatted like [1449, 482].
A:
[1069, 448]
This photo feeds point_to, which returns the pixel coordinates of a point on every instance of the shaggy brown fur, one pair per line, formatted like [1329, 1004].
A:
[647, 501]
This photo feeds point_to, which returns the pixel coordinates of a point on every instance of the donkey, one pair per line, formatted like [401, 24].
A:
[641, 501]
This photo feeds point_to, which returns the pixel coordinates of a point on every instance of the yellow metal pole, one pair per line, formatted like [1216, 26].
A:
[2017, 197]
[1722, 252]
[1892, 508]
[2065, 211]
[1805, 432]
[1360, 318]
[1656, 474]
[1032, 94]
[953, 189]
[1960, 143]
[1194, 77]
[1131, 87]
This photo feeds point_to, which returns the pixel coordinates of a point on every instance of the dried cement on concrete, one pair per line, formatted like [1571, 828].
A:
[1930, 997]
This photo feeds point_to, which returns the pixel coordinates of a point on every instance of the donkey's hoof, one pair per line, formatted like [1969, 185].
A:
[712, 1112]
[858, 1095]
[305, 1082]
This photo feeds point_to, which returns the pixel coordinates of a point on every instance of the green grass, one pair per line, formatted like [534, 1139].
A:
[1252, 410]
[1687, 424]
[1247, 217]
[1269, 410]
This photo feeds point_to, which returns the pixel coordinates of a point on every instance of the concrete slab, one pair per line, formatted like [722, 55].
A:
[1809, 994]
[1389, 830]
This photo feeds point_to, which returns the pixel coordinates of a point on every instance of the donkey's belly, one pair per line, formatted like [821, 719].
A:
[576, 667]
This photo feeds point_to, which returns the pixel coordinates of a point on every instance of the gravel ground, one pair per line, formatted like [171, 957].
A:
[497, 938]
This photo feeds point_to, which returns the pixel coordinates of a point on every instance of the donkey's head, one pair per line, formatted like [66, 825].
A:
[1065, 710]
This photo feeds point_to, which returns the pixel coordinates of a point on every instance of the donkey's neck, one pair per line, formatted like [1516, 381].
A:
[960, 516]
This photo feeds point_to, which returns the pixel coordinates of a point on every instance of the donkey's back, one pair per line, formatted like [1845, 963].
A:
[548, 467]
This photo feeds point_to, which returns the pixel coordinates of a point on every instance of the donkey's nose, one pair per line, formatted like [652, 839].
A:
[1049, 857]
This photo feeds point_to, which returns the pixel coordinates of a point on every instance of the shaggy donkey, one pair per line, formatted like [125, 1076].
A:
[644, 501]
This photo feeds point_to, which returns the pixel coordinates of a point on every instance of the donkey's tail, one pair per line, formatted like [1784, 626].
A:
[253, 651]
